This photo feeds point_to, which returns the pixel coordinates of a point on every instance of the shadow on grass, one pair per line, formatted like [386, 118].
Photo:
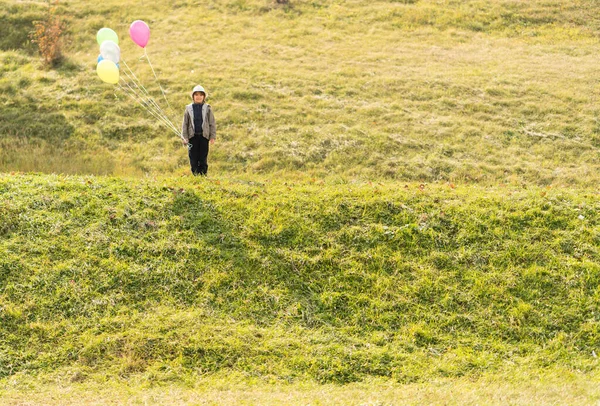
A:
[31, 120]
[16, 22]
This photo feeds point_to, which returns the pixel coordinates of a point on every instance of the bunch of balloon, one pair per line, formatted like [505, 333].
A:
[110, 54]
[129, 83]
[139, 32]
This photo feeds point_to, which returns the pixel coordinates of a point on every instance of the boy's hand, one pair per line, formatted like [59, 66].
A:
[212, 140]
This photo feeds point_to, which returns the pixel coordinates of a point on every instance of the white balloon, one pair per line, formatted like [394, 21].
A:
[111, 51]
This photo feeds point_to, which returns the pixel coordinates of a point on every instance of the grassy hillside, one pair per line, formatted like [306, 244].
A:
[402, 202]
[179, 280]
[466, 91]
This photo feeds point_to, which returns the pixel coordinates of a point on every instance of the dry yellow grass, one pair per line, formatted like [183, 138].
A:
[562, 387]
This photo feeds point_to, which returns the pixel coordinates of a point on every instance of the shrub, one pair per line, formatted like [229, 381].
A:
[47, 36]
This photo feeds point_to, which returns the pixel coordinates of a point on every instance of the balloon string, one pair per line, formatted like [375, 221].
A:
[138, 83]
[140, 86]
[149, 111]
[153, 113]
[150, 100]
[129, 91]
[156, 78]
[151, 108]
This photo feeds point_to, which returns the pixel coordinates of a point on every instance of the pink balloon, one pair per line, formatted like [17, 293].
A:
[139, 33]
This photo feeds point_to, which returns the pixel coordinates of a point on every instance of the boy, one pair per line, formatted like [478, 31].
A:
[198, 130]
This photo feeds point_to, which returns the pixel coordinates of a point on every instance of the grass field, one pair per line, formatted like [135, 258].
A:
[468, 91]
[401, 207]
[174, 280]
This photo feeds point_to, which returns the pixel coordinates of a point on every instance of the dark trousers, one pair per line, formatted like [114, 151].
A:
[198, 154]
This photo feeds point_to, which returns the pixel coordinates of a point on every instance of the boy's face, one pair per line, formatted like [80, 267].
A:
[198, 97]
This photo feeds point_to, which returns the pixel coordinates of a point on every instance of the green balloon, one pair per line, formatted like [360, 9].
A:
[106, 34]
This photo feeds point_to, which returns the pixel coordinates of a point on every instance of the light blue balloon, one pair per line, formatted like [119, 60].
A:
[101, 58]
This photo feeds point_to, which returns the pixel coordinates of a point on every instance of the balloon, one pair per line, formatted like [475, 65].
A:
[108, 71]
[100, 59]
[111, 51]
[139, 33]
[106, 34]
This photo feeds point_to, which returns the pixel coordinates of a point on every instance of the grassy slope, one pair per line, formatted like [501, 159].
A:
[461, 91]
[282, 268]
[176, 279]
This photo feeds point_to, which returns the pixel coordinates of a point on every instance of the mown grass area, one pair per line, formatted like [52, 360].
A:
[175, 280]
[469, 91]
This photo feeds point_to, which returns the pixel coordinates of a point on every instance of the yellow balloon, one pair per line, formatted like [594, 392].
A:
[108, 71]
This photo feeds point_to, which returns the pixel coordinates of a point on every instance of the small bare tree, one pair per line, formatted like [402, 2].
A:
[47, 36]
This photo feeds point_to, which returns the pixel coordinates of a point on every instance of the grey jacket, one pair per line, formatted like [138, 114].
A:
[209, 127]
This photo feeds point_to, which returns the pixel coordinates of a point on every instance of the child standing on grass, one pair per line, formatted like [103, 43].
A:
[199, 129]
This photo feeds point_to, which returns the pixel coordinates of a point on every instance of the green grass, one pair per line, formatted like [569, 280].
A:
[470, 91]
[402, 201]
[178, 279]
